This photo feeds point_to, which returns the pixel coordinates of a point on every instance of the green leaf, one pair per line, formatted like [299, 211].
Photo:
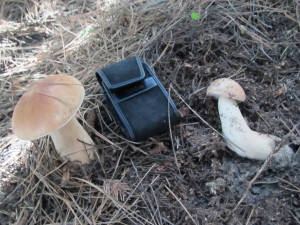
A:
[195, 16]
[82, 33]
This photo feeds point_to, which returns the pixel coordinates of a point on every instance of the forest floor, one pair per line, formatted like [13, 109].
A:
[186, 175]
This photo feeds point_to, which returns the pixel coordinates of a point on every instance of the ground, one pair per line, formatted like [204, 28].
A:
[186, 176]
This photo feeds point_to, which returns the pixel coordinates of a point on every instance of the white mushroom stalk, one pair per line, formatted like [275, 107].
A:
[73, 142]
[237, 134]
[239, 137]
[48, 108]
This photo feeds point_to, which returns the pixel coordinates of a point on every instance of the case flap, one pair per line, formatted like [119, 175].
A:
[122, 73]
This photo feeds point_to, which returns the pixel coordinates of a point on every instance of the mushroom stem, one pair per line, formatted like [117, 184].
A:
[70, 142]
[239, 137]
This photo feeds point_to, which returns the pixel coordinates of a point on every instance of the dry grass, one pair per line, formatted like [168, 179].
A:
[254, 42]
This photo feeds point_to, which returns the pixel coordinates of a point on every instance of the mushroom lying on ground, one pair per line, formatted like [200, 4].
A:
[238, 136]
[48, 107]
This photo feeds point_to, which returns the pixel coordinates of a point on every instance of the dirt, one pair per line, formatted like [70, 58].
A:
[189, 176]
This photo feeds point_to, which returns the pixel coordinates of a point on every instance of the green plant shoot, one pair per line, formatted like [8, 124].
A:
[195, 16]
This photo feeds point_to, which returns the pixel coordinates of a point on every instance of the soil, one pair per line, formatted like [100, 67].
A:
[188, 176]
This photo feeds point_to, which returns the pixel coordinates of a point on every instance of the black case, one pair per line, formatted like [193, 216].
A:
[137, 99]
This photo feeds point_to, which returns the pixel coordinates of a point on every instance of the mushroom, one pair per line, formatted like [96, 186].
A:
[238, 136]
[48, 107]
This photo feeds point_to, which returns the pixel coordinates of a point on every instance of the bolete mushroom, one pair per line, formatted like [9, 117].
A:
[48, 107]
[238, 136]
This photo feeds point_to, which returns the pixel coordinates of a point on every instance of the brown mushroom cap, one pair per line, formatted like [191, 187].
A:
[227, 88]
[47, 105]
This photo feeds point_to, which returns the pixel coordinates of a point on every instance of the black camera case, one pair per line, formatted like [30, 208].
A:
[137, 99]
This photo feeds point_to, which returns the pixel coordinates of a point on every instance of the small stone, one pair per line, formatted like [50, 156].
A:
[216, 186]
[283, 157]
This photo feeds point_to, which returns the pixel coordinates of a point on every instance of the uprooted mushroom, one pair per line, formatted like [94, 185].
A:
[48, 107]
[236, 133]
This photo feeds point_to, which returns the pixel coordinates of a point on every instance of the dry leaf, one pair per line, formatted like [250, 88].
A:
[169, 164]
[67, 197]
[282, 90]
[160, 168]
[40, 57]
[65, 177]
[158, 149]
[79, 69]
[164, 167]
[90, 120]
[277, 68]
[187, 64]
[183, 111]
[16, 85]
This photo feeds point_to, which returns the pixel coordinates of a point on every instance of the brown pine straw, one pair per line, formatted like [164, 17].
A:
[161, 180]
